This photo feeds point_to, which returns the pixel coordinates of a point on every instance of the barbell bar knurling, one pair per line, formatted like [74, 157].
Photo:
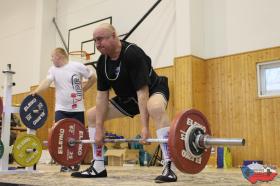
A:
[150, 140]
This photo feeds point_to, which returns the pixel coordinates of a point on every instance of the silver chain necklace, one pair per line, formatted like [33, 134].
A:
[119, 67]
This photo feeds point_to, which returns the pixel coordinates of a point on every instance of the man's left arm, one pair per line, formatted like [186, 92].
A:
[143, 96]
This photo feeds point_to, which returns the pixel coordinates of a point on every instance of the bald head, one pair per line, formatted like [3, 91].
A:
[106, 39]
[106, 27]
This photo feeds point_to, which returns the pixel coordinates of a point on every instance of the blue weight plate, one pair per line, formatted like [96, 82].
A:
[33, 111]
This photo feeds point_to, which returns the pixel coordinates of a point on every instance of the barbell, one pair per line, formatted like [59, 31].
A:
[189, 141]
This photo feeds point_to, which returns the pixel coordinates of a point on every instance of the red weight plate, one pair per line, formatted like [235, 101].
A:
[1, 106]
[59, 136]
[184, 161]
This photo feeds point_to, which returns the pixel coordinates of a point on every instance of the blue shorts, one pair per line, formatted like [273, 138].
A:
[63, 114]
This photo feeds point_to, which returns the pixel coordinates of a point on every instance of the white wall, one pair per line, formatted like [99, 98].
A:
[17, 19]
[26, 38]
[183, 30]
[205, 28]
[155, 35]
[45, 40]
[196, 27]
[234, 26]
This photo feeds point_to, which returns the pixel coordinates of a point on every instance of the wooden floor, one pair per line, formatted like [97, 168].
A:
[49, 175]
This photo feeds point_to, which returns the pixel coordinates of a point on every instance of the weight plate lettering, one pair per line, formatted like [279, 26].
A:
[184, 126]
[61, 151]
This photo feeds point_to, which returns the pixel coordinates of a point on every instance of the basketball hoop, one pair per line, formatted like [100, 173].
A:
[81, 56]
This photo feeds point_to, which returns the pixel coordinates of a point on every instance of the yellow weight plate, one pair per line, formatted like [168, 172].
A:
[27, 150]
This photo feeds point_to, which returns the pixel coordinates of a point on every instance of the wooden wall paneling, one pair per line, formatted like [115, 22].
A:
[227, 90]
[183, 84]
[240, 98]
[234, 110]
[230, 92]
[213, 96]
[17, 98]
[237, 111]
[269, 109]
[269, 129]
[210, 101]
[274, 158]
[253, 119]
[199, 83]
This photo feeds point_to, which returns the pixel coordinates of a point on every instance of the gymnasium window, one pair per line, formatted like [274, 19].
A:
[268, 79]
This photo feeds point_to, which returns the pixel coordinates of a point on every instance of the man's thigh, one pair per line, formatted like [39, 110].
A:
[157, 99]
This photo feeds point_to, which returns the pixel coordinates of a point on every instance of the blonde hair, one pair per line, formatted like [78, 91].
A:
[62, 52]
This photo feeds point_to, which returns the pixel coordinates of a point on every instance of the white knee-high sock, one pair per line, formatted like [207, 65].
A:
[163, 133]
[97, 151]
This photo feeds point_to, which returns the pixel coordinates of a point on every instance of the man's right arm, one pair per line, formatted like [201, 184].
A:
[42, 86]
[102, 100]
